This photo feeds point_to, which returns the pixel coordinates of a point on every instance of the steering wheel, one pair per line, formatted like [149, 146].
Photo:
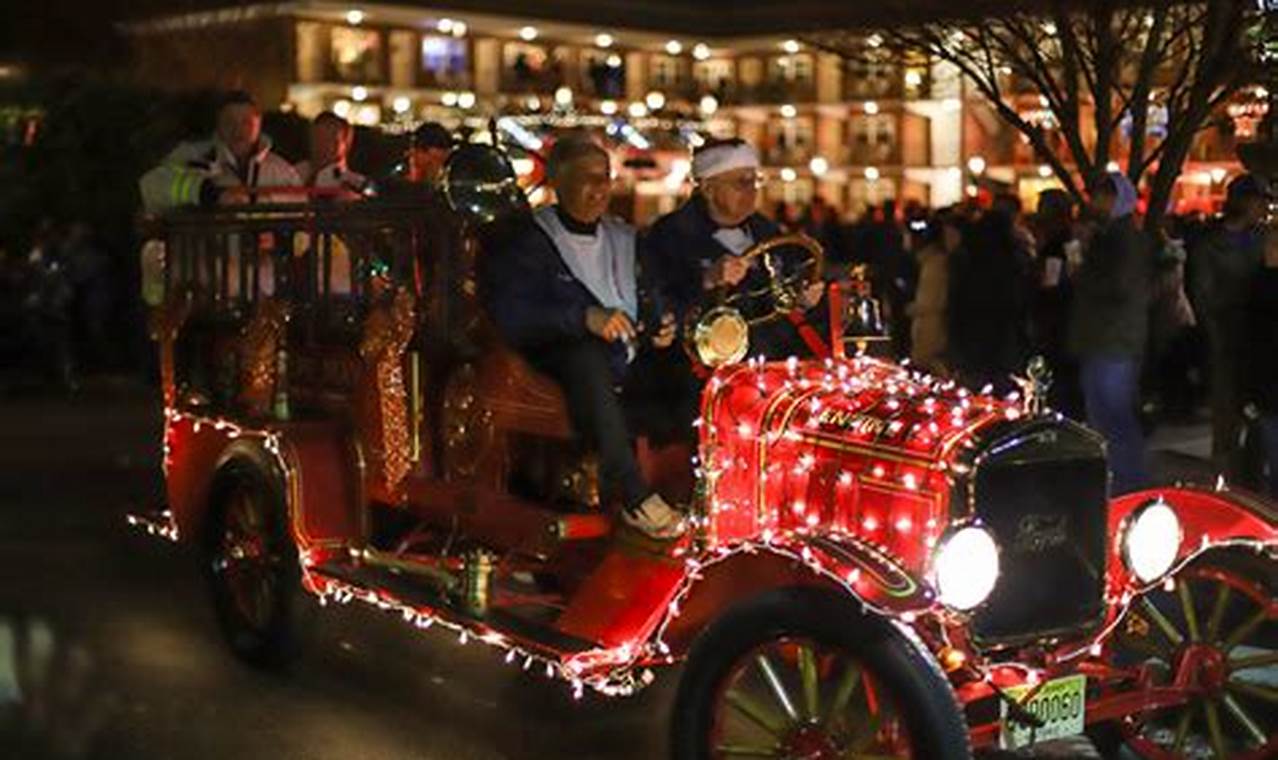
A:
[718, 332]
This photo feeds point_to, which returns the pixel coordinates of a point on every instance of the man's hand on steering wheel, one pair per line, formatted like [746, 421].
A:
[728, 270]
[812, 294]
[609, 324]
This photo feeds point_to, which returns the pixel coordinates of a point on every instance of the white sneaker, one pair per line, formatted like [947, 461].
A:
[655, 518]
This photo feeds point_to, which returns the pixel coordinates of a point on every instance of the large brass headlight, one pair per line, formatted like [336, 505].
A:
[720, 336]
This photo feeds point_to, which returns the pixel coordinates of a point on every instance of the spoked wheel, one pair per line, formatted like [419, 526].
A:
[253, 569]
[1215, 635]
[798, 698]
[799, 674]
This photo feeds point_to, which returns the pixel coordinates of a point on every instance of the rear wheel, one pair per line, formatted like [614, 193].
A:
[252, 567]
[1214, 632]
[800, 674]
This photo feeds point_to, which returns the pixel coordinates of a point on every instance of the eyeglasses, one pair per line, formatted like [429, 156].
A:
[742, 184]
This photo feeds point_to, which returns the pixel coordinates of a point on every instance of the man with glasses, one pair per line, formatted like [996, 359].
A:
[561, 289]
[697, 247]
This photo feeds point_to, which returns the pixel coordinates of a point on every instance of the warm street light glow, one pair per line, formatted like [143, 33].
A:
[819, 165]
[709, 104]
[608, 107]
[701, 51]
[1044, 171]
[354, 17]
[674, 47]
[1112, 166]
[789, 175]
[449, 99]
[466, 100]
[790, 46]
[603, 40]
[637, 110]
[342, 108]
[444, 25]
[656, 100]
[459, 29]
[872, 173]
[563, 97]
[871, 107]
[401, 104]
[788, 111]
[976, 165]
[533, 103]
[528, 33]
[359, 93]
[614, 61]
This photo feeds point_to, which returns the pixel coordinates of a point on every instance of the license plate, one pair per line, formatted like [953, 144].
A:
[1060, 704]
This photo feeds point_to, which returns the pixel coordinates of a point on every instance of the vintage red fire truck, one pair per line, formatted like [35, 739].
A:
[881, 563]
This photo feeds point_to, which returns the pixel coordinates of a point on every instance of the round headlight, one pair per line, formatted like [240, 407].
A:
[720, 336]
[965, 567]
[1151, 541]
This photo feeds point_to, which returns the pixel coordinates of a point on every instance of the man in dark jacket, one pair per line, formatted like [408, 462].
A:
[697, 248]
[561, 288]
[1224, 262]
[1108, 326]
[1262, 352]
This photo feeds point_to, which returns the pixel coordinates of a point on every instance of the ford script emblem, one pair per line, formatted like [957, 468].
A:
[1037, 533]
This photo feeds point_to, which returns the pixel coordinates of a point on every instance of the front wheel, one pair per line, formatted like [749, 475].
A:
[799, 673]
[1213, 633]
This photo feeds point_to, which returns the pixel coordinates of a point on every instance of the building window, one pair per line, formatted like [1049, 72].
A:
[714, 75]
[791, 69]
[530, 67]
[792, 141]
[663, 72]
[443, 61]
[356, 54]
[873, 140]
[605, 73]
[871, 78]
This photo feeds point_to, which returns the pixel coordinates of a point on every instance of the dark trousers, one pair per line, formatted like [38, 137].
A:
[1110, 388]
[1268, 425]
[582, 370]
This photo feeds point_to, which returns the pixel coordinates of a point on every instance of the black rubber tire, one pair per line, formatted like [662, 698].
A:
[920, 691]
[280, 641]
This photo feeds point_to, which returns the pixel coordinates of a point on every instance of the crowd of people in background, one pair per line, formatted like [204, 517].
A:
[1136, 324]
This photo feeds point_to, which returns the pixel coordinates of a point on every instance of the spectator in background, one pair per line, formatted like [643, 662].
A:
[1059, 254]
[1226, 258]
[893, 274]
[225, 169]
[939, 241]
[331, 140]
[428, 152]
[821, 222]
[1261, 381]
[988, 310]
[1108, 326]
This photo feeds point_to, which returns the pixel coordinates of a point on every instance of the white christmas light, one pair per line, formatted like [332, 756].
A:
[354, 17]
[603, 40]
[674, 47]
[528, 33]
[819, 165]
[701, 51]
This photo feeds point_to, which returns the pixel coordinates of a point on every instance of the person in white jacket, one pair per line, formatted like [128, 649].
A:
[331, 140]
[235, 166]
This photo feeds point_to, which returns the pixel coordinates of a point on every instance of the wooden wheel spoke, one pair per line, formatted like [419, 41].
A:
[778, 688]
[1187, 609]
[1160, 620]
[745, 750]
[1256, 691]
[1214, 732]
[1253, 661]
[1245, 629]
[1244, 719]
[759, 714]
[811, 683]
[1182, 728]
[843, 694]
[1218, 612]
[865, 734]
